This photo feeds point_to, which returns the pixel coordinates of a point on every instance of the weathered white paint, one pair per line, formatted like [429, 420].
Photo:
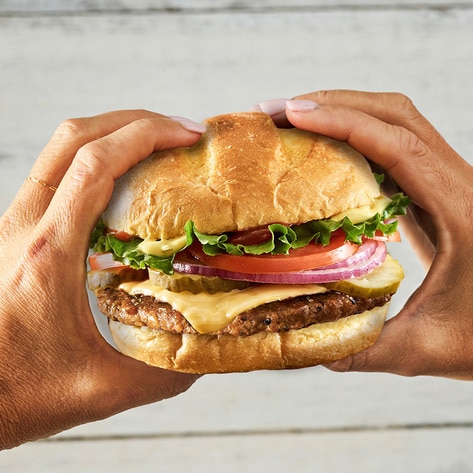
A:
[420, 450]
[34, 6]
[220, 60]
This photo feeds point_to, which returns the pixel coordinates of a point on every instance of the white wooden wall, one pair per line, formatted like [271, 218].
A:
[64, 58]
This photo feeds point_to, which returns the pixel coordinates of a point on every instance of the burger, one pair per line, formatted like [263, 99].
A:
[256, 248]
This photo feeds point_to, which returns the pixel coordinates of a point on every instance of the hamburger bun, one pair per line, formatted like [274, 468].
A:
[314, 345]
[242, 174]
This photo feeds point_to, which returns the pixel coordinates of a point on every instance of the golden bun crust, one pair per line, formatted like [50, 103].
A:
[244, 172]
[317, 344]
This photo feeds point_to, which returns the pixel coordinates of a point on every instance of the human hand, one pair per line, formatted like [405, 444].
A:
[432, 334]
[56, 371]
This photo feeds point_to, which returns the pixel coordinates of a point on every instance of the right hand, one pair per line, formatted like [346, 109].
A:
[432, 334]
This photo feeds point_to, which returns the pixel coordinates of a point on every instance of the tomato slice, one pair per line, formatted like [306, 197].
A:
[392, 237]
[251, 237]
[100, 261]
[309, 257]
[119, 235]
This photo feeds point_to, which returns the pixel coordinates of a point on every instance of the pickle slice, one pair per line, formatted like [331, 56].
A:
[385, 279]
[194, 283]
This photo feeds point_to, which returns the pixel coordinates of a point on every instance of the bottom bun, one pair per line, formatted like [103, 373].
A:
[310, 346]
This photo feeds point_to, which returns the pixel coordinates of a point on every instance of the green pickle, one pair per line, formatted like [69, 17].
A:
[385, 279]
[193, 283]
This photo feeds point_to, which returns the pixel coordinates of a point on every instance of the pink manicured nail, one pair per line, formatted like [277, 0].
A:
[301, 105]
[272, 107]
[189, 124]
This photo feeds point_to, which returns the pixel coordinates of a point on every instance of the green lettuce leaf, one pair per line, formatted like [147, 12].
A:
[127, 252]
[282, 239]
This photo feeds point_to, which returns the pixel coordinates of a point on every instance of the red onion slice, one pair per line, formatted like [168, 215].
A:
[364, 251]
[369, 255]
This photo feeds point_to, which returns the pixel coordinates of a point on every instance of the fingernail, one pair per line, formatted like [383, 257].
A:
[301, 105]
[189, 124]
[272, 107]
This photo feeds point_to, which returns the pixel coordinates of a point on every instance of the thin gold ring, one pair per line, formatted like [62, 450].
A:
[43, 183]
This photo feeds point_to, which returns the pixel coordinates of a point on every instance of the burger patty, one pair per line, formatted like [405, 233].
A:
[289, 314]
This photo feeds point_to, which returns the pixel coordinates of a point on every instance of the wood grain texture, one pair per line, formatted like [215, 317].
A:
[98, 56]
[49, 6]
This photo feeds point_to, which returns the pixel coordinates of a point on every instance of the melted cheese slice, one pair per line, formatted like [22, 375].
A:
[365, 212]
[211, 312]
[163, 247]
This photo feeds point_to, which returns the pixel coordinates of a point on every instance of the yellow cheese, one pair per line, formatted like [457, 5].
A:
[365, 212]
[162, 247]
[211, 312]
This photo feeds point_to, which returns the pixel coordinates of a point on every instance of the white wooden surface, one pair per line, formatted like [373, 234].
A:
[197, 58]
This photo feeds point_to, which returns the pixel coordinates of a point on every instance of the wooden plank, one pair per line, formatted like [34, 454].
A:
[309, 399]
[419, 450]
[49, 6]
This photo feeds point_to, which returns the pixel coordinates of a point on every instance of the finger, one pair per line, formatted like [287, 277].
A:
[400, 152]
[74, 133]
[413, 346]
[276, 109]
[385, 355]
[377, 140]
[88, 184]
[407, 345]
[139, 384]
[421, 236]
[36, 193]
[393, 108]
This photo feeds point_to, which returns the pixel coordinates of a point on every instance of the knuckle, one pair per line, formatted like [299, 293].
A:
[401, 104]
[71, 128]
[402, 99]
[319, 96]
[147, 125]
[92, 162]
[326, 96]
[93, 155]
[411, 366]
[410, 144]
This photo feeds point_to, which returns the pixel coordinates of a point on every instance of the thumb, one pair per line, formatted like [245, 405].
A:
[146, 384]
[131, 383]
[385, 355]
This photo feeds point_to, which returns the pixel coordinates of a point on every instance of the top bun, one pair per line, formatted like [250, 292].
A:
[244, 172]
